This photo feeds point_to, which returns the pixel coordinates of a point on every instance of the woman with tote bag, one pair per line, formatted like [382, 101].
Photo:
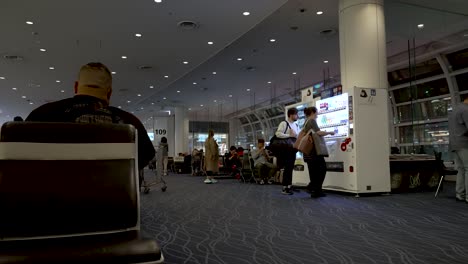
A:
[315, 162]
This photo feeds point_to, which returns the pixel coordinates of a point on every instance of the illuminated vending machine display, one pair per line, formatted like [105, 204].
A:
[333, 115]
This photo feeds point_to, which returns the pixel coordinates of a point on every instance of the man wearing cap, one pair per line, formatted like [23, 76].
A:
[90, 104]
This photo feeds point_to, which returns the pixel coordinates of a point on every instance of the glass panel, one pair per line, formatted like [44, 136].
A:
[437, 108]
[433, 88]
[458, 60]
[422, 70]
[427, 133]
[258, 126]
[275, 111]
[243, 120]
[422, 91]
[253, 118]
[462, 81]
[429, 150]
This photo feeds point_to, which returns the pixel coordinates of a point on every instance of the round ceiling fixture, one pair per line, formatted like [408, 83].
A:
[188, 25]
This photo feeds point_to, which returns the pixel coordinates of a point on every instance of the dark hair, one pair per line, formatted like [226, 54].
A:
[261, 140]
[18, 118]
[232, 148]
[292, 111]
[310, 110]
[463, 97]
[163, 140]
[98, 65]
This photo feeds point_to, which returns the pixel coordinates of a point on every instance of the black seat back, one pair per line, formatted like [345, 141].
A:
[63, 181]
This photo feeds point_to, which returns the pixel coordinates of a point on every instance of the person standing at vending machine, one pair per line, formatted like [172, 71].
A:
[288, 131]
[315, 163]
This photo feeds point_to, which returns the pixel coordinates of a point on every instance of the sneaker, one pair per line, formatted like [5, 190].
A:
[287, 191]
[214, 181]
[208, 181]
[317, 195]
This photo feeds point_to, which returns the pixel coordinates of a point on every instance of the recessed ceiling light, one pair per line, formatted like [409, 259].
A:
[51, 68]
[201, 105]
[2, 78]
[151, 87]
[14, 89]
[138, 35]
[57, 81]
[319, 13]
[420, 26]
[119, 106]
[210, 42]
[166, 76]
[325, 61]
[129, 102]
[124, 57]
[132, 112]
[194, 83]
[248, 90]
[29, 22]
[142, 108]
[214, 101]
[62, 91]
[152, 103]
[185, 62]
[31, 103]
[269, 82]
[230, 95]
[158, 1]
[24, 97]
[239, 59]
[164, 98]
[113, 72]
[294, 73]
[42, 50]
[272, 40]
[215, 73]
[246, 13]
[190, 109]
[178, 91]
[138, 94]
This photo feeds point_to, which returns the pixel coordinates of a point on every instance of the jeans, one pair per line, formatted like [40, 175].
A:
[461, 163]
[269, 167]
[289, 159]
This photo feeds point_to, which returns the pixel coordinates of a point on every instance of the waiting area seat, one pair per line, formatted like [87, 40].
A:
[69, 194]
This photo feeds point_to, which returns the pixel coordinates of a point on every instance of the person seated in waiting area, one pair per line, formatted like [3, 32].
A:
[240, 151]
[262, 162]
[90, 104]
[233, 161]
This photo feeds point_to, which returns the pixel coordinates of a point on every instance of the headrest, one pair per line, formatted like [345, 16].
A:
[39, 132]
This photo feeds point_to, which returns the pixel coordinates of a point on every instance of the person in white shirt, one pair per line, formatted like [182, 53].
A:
[261, 162]
[286, 157]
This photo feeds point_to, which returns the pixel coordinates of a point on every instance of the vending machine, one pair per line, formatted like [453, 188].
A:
[358, 159]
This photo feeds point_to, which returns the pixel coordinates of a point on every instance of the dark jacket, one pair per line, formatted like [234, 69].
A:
[88, 109]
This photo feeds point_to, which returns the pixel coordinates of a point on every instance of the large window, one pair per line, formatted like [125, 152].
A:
[436, 133]
[422, 91]
[462, 81]
[427, 110]
[421, 70]
[458, 60]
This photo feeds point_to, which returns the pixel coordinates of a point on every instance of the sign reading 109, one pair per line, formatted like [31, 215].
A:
[160, 132]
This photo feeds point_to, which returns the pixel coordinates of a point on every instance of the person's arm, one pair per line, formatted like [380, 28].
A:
[45, 113]
[312, 124]
[280, 131]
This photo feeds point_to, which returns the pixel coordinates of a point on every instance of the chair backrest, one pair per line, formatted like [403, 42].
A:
[67, 179]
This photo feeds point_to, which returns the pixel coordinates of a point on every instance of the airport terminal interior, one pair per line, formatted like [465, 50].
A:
[382, 78]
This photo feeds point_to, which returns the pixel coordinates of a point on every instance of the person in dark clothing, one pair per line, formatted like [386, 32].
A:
[90, 104]
[315, 163]
[18, 119]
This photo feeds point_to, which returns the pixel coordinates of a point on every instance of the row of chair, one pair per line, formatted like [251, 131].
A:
[69, 193]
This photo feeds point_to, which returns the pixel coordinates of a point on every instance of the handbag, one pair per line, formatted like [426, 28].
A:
[300, 136]
[305, 143]
[320, 145]
[277, 145]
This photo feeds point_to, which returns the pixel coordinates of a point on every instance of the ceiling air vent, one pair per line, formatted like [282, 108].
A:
[328, 32]
[188, 25]
[145, 67]
[13, 57]
[250, 68]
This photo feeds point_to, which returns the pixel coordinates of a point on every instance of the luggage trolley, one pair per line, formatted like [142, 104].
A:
[156, 166]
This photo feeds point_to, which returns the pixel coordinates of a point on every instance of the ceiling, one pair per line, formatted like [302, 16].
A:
[76, 32]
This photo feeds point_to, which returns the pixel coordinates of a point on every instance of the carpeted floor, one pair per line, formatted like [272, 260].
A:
[230, 222]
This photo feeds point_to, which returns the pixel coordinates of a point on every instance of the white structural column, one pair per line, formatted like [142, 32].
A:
[362, 44]
[181, 129]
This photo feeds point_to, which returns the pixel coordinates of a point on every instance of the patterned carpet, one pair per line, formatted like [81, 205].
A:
[230, 222]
